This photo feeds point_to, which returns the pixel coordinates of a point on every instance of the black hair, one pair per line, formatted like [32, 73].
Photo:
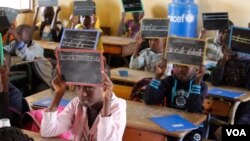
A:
[49, 10]
[13, 134]
[23, 27]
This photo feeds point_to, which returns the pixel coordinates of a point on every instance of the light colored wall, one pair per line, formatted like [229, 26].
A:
[109, 11]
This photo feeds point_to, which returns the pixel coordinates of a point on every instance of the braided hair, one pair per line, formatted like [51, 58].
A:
[13, 134]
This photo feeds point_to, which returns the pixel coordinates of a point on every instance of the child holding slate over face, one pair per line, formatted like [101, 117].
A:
[183, 90]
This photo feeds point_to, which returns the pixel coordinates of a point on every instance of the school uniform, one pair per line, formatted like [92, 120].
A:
[33, 51]
[184, 96]
[74, 118]
[48, 34]
[148, 59]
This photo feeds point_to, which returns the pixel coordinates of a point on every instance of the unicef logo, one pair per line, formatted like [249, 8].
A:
[189, 18]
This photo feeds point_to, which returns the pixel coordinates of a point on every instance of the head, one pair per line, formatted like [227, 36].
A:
[25, 32]
[184, 73]
[220, 33]
[87, 21]
[48, 14]
[138, 16]
[157, 44]
[13, 134]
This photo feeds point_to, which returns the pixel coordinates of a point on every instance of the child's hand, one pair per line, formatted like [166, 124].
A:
[226, 56]
[59, 85]
[107, 85]
[138, 40]
[4, 78]
[12, 30]
[199, 75]
[160, 69]
[202, 34]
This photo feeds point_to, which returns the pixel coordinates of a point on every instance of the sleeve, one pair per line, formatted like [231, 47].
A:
[57, 34]
[155, 91]
[196, 97]
[217, 74]
[4, 105]
[112, 128]
[53, 125]
[10, 47]
[29, 54]
[137, 62]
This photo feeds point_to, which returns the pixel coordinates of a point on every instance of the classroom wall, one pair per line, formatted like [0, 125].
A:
[109, 11]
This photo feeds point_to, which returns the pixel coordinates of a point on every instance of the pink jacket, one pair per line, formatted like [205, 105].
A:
[103, 129]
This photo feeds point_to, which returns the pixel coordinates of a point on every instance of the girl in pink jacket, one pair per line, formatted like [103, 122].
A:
[95, 115]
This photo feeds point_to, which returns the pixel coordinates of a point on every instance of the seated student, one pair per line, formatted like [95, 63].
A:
[183, 90]
[13, 134]
[214, 49]
[130, 27]
[148, 57]
[96, 114]
[24, 47]
[50, 29]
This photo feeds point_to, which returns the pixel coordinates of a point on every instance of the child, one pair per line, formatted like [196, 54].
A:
[75, 20]
[130, 27]
[95, 115]
[50, 29]
[29, 50]
[148, 57]
[183, 90]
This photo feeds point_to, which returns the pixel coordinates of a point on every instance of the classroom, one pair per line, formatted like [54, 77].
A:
[124, 70]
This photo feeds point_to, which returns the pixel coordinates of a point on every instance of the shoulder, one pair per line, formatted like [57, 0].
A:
[146, 51]
[79, 26]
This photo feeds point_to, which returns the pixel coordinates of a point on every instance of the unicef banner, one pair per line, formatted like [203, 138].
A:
[183, 15]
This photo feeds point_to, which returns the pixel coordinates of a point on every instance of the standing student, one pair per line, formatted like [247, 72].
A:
[183, 90]
[149, 57]
[130, 27]
[50, 29]
[27, 49]
[96, 114]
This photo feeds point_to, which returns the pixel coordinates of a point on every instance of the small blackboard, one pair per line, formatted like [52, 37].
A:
[80, 39]
[154, 28]
[84, 8]
[4, 20]
[240, 39]
[80, 67]
[47, 3]
[10, 13]
[215, 21]
[185, 51]
[132, 5]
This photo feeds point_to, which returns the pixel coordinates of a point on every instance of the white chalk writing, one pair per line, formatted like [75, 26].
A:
[80, 58]
[154, 27]
[240, 39]
[183, 50]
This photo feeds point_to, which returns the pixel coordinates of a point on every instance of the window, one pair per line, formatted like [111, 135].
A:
[22, 5]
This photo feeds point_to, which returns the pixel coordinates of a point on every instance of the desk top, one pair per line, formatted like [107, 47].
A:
[37, 136]
[48, 45]
[16, 60]
[243, 98]
[133, 75]
[114, 40]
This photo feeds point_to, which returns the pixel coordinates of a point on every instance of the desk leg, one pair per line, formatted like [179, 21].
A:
[233, 112]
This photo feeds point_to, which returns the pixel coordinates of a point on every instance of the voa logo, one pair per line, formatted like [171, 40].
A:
[189, 18]
[236, 132]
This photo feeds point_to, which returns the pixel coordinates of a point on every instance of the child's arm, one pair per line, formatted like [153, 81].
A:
[122, 26]
[54, 28]
[35, 19]
[112, 123]
[4, 96]
[137, 61]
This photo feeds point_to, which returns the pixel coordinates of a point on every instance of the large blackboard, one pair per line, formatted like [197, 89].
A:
[10, 13]
[132, 5]
[81, 39]
[185, 51]
[154, 28]
[47, 3]
[80, 67]
[240, 39]
[215, 21]
[84, 8]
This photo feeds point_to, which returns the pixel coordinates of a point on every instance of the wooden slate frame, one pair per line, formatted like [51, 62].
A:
[80, 51]
[132, 11]
[83, 11]
[186, 64]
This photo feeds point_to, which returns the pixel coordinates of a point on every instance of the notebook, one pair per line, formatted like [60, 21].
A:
[45, 102]
[225, 93]
[173, 123]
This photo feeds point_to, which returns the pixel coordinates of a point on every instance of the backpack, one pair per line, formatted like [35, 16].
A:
[237, 73]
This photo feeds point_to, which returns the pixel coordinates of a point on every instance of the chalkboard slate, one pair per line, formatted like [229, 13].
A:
[185, 51]
[10, 13]
[81, 39]
[4, 20]
[84, 8]
[81, 67]
[240, 39]
[132, 5]
[47, 3]
[215, 21]
[154, 28]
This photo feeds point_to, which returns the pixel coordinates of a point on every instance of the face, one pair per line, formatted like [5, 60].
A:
[156, 45]
[48, 15]
[89, 95]
[87, 21]
[26, 35]
[184, 73]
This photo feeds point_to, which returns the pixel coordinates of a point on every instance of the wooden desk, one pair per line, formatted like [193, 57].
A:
[37, 136]
[48, 45]
[235, 102]
[133, 75]
[138, 115]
